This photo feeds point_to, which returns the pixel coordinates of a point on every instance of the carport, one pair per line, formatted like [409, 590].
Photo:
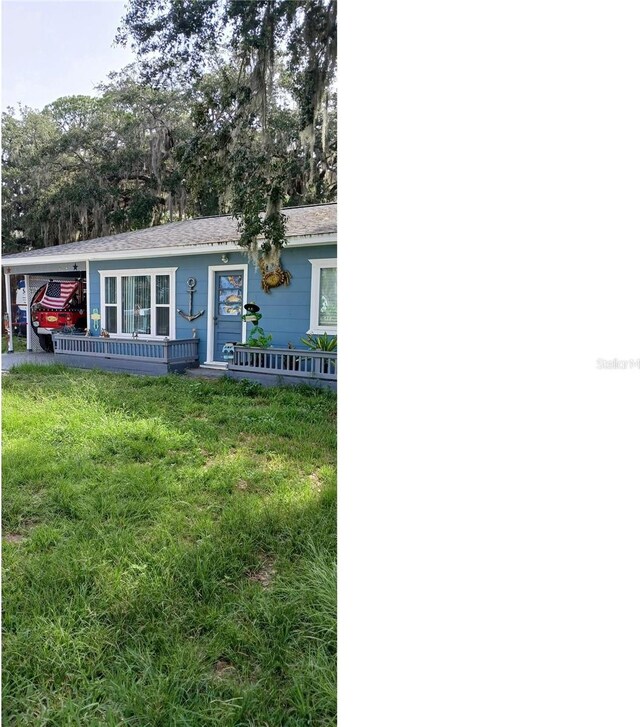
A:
[35, 276]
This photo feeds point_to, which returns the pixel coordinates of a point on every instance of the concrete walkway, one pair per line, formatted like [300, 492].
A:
[205, 372]
[9, 360]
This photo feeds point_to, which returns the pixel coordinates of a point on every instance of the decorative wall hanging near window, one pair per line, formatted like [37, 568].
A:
[191, 316]
[273, 278]
[95, 317]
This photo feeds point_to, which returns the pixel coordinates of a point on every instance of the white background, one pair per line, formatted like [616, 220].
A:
[488, 470]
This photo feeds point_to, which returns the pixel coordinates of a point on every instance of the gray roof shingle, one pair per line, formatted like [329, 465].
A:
[309, 220]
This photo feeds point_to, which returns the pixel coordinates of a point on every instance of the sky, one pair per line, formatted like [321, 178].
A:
[58, 48]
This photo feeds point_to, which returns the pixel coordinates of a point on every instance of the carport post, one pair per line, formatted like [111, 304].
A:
[29, 329]
[7, 287]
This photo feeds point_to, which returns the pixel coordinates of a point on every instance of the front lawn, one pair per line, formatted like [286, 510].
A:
[169, 551]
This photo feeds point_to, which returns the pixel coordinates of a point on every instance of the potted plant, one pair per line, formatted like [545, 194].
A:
[323, 343]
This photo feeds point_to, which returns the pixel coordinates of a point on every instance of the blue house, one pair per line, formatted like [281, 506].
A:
[176, 295]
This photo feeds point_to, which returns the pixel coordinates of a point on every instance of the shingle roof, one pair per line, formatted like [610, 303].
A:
[309, 220]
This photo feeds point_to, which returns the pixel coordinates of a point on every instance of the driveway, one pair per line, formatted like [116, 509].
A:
[9, 360]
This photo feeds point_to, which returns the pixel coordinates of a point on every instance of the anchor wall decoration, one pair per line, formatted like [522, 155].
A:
[191, 284]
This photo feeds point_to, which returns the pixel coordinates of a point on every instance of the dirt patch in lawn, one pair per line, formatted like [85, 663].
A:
[209, 459]
[316, 482]
[13, 537]
[18, 537]
[265, 573]
[224, 668]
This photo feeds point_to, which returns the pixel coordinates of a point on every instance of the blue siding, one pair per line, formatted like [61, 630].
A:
[285, 310]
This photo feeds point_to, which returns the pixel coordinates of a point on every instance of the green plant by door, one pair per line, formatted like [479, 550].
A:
[258, 339]
[321, 343]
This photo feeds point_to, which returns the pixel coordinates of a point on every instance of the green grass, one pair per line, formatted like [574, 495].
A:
[169, 551]
[19, 344]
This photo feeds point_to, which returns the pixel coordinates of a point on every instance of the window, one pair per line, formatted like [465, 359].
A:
[138, 301]
[324, 296]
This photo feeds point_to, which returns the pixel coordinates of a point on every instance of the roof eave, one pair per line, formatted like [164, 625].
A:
[198, 249]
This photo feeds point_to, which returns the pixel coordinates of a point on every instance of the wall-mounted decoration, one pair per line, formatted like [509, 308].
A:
[252, 314]
[273, 278]
[191, 316]
[95, 317]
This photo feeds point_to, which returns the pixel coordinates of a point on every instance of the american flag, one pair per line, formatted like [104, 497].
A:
[58, 293]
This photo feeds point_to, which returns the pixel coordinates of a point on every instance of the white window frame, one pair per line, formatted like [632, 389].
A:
[316, 266]
[152, 272]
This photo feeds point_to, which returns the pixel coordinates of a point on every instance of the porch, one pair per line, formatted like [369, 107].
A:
[269, 367]
[126, 355]
[285, 366]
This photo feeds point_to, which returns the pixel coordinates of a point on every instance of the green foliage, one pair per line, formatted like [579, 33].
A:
[321, 343]
[85, 167]
[19, 344]
[231, 109]
[284, 55]
[258, 339]
[169, 551]
[250, 388]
